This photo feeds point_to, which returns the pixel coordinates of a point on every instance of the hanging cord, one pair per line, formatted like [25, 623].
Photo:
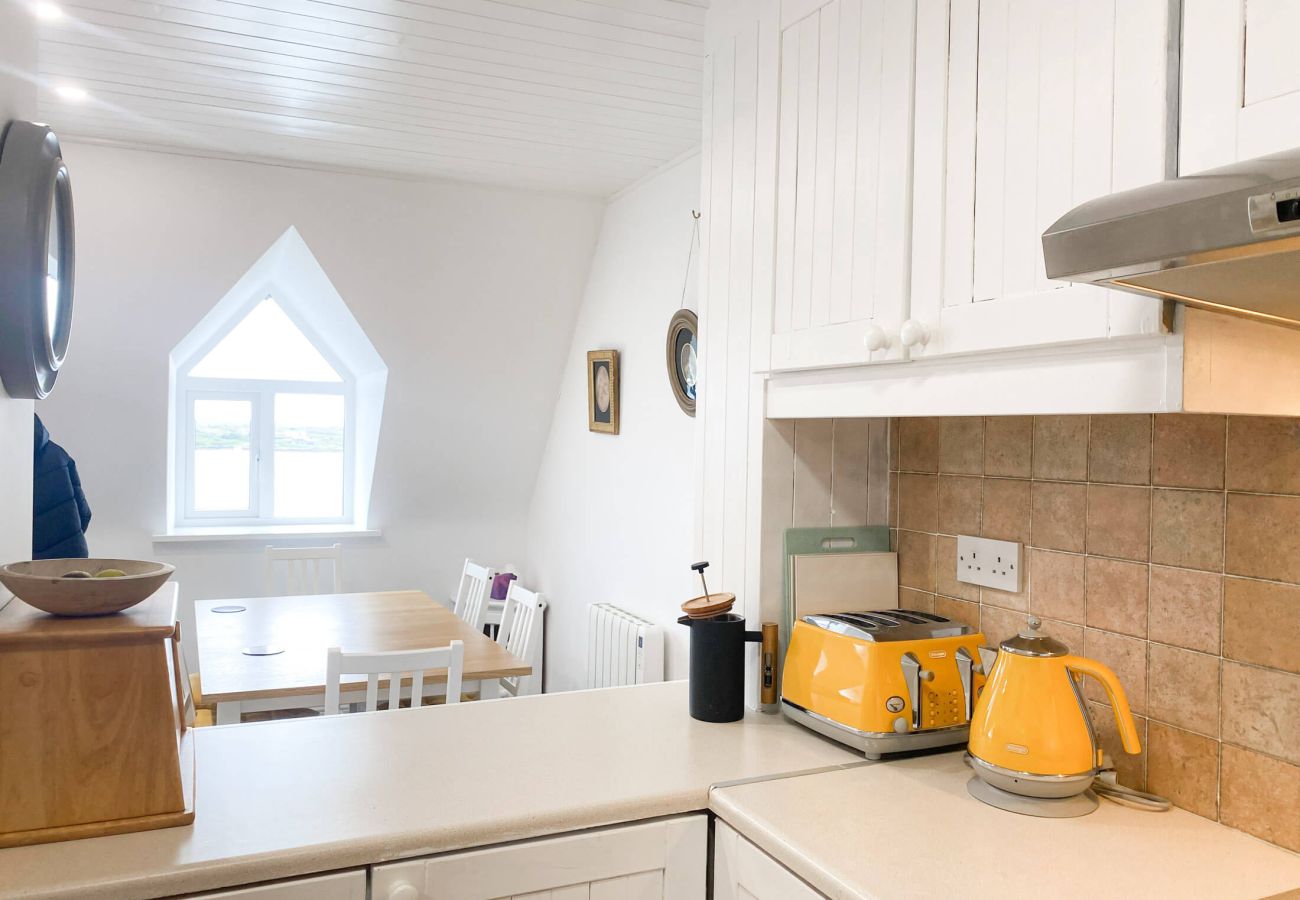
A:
[690, 254]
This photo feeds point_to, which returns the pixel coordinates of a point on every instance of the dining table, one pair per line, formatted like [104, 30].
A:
[258, 654]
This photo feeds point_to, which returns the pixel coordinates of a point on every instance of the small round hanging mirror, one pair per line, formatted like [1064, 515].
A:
[36, 259]
[682, 348]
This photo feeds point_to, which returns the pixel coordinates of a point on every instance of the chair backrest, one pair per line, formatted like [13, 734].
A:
[473, 592]
[394, 664]
[521, 634]
[305, 570]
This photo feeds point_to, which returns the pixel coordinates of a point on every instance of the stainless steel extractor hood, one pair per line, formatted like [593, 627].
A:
[1227, 239]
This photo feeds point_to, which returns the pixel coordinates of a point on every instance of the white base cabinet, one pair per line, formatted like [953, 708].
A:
[741, 871]
[659, 860]
[335, 886]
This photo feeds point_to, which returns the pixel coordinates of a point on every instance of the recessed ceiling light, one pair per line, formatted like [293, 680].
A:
[71, 92]
[46, 11]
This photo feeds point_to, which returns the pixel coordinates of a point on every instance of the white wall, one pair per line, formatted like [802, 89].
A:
[613, 517]
[468, 293]
[17, 101]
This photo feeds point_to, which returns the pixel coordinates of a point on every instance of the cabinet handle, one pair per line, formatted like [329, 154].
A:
[875, 338]
[914, 332]
[403, 890]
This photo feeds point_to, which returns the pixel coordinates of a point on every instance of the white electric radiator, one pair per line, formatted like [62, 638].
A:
[622, 648]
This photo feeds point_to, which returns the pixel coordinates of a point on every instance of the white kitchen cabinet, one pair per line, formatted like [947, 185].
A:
[665, 859]
[741, 871]
[1240, 83]
[842, 197]
[1025, 109]
[335, 886]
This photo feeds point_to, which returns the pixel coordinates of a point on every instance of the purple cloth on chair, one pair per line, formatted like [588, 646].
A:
[501, 584]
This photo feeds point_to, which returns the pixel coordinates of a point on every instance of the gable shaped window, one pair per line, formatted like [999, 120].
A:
[276, 398]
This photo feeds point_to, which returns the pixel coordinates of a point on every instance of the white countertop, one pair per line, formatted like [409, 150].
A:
[907, 828]
[286, 798]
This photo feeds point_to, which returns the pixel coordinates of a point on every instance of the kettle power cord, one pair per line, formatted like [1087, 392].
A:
[1105, 785]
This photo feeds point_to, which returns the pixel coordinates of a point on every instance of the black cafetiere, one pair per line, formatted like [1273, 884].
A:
[718, 638]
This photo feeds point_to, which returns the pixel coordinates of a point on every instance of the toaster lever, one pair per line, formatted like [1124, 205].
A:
[912, 676]
[965, 669]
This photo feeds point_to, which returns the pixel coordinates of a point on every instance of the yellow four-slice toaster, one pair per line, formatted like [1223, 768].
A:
[883, 681]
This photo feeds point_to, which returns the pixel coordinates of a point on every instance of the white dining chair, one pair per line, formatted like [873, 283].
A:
[394, 664]
[521, 634]
[305, 570]
[471, 602]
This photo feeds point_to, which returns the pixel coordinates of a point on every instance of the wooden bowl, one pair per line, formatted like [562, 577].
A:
[39, 583]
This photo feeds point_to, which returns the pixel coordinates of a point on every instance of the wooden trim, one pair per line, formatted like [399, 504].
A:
[1239, 366]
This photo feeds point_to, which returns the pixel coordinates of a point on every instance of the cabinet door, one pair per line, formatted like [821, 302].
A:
[336, 886]
[741, 871]
[842, 181]
[664, 859]
[1024, 109]
[1240, 83]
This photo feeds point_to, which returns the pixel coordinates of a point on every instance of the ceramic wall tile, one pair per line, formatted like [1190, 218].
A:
[959, 504]
[1116, 593]
[1183, 688]
[1059, 515]
[1260, 795]
[1263, 455]
[1008, 446]
[1119, 521]
[918, 502]
[1185, 608]
[1261, 710]
[1261, 623]
[961, 445]
[1058, 586]
[1060, 450]
[1175, 539]
[1263, 540]
[1183, 767]
[1188, 451]
[1187, 529]
[1119, 449]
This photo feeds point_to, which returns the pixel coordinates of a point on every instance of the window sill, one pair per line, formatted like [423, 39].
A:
[261, 532]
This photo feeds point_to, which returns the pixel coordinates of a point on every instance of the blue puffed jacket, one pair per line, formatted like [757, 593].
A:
[60, 514]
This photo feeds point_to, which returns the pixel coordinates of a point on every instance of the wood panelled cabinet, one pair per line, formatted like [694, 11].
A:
[665, 858]
[924, 145]
[845, 147]
[1240, 85]
[741, 871]
[1023, 110]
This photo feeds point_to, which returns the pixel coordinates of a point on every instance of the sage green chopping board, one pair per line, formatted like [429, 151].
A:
[842, 569]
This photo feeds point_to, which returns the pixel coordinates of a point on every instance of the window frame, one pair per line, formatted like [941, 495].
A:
[262, 392]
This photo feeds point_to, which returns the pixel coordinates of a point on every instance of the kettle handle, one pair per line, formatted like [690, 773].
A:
[1118, 700]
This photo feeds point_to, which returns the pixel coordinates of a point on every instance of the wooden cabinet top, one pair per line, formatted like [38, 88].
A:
[153, 619]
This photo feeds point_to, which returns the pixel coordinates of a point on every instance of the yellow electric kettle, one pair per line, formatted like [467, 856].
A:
[1030, 736]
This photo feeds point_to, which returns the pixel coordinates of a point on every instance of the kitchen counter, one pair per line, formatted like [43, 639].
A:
[279, 799]
[907, 828]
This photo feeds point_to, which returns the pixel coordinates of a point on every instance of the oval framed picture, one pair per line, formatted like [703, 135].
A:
[681, 351]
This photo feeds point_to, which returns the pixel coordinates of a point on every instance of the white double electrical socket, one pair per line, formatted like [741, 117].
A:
[990, 563]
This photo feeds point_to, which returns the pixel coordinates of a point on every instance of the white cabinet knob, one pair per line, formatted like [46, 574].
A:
[875, 338]
[913, 332]
[403, 890]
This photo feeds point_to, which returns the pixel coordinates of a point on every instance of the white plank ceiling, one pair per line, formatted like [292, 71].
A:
[570, 95]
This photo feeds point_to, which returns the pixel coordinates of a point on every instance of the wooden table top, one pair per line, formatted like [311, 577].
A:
[307, 626]
[151, 619]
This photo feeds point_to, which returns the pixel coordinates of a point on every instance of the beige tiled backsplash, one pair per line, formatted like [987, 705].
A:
[1166, 546]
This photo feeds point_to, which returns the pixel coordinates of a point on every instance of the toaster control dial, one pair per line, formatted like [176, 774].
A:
[901, 725]
[894, 704]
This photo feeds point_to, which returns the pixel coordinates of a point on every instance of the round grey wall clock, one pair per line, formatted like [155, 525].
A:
[36, 259]
[681, 350]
